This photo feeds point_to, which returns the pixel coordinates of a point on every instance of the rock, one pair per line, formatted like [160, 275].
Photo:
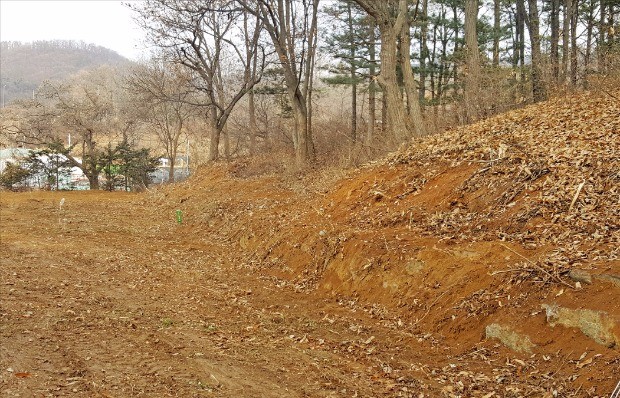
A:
[510, 338]
[597, 325]
[579, 275]
[414, 267]
[614, 279]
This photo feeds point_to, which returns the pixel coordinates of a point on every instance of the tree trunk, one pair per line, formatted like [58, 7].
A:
[251, 58]
[573, 40]
[588, 55]
[172, 154]
[303, 150]
[93, 181]
[221, 125]
[171, 168]
[372, 88]
[388, 80]
[611, 33]
[353, 132]
[433, 59]
[497, 31]
[415, 118]
[456, 22]
[566, 37]
[89, 161]
[214, 143]
[384, 114]
[253, 124]
[279, 21]
[538, 88]
[353, 76]
[472, 57]
[555, 38]
[514, 33]
[444, 66]
[310, 140]
[521, 16]
[601, 47]
[308, 85]
[226, 137]
[391, 29]
[423, 48]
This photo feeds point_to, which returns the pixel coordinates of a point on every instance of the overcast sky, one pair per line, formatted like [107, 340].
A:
[107, 23]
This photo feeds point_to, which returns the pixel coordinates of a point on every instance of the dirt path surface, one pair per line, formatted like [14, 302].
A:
[102, 300]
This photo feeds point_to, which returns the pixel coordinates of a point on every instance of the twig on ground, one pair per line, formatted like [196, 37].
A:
[538, 267]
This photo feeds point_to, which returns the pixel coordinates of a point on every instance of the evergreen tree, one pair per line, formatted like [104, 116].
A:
[349, 45]
[51, 163]
[13, 174]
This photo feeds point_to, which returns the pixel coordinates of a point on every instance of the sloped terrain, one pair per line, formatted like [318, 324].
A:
[25, 66]
[478, 263]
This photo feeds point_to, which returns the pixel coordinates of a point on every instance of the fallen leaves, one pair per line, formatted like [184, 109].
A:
[547, 174]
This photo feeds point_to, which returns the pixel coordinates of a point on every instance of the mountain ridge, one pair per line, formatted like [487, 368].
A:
[25, 65]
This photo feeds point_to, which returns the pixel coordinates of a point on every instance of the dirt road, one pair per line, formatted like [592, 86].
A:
[107, 298]
[99, 299]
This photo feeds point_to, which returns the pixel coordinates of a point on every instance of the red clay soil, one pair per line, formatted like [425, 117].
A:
[386, 281]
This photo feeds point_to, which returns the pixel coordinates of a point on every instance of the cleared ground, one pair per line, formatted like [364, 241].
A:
[108, 298]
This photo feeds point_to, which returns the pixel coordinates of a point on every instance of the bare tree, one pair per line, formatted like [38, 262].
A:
[424, 51]
[292, 27]
[392, 18]
[88, 108]
[163, 92]
[414, 110]
[28, 123]
[497, 31]
[251, 48]
[573, 42]
[568, 11]
[555, 37]
[372, 89]
[533, 24]
[202, 36]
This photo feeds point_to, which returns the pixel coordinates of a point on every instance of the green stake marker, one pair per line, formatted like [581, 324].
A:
[179, 214]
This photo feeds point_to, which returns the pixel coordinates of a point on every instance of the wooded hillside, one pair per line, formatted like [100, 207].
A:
[26, 65]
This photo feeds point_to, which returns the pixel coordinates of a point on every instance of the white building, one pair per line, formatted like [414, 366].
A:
[74, 179]
[12, 155]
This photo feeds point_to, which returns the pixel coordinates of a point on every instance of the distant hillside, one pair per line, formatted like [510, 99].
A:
[24, 66]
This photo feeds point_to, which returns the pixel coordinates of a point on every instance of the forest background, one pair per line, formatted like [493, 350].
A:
[299, 83]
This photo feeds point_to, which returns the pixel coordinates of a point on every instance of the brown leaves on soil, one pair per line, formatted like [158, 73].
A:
[545, 174]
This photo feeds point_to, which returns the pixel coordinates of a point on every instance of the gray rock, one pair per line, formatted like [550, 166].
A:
[614, 279]
[414, 267]
[579, 275]
[597, 325]
[511, 339]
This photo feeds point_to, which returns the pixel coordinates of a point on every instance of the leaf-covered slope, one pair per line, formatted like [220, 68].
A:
[547, 173]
